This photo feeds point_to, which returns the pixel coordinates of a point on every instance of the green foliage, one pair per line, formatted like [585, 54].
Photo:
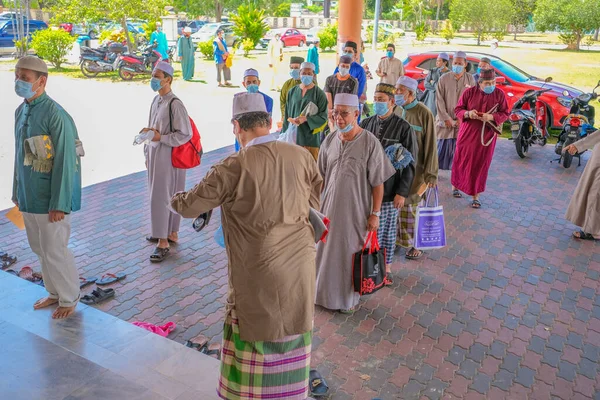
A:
[52, 45]
[482, 16]
[115, 36]
[315, 9]
[422, 30]
[283, 10]
[416, 11]
[387, 6]
[247, 45]
[383, 37]
[499, 34]
[572, 17]
[206, 48]
[22, 45]
[447, 31]
[328, 36]
[249, 23]
[589, 41]
[521, 11]
[391, 16]
[148, 28]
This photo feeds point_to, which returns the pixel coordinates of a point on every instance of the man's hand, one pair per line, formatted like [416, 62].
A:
[301, 119]
[571, 149]
[449, 123]
[373, 223]
[399, 201]
[431, 185]
[473, 114]
[270, 65]
[293, 121]
[156, 137]
[56, 216]
[487, 117]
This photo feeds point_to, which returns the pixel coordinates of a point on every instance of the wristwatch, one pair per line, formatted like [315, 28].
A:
[376, 213]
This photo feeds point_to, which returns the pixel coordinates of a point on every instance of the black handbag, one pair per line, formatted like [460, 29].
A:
[368, 267]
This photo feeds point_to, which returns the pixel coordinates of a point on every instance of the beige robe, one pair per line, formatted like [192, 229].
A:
[584, 208]
[393, 68]
[448, 91]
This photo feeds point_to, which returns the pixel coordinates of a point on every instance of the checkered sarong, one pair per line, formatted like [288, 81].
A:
[263, 370]
[388, 226]
[406, 226]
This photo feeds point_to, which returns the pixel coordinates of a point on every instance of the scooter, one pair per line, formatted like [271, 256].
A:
[132, 65]
[577, 125]
[103, 59]
[528, 122]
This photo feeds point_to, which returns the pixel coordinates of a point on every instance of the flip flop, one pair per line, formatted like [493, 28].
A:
[317, 384]
[7, 261]
[109, 278]
[456, 193]
[419, 254]
[202, 220]
[196, 346]
[155, 240]
[97, 296]
[37, 278]
[159, 254]
[476, 204]
[83, 282]
[12, 272]
[389, 280]
[215, 351]
[584, 236]
[26, 273]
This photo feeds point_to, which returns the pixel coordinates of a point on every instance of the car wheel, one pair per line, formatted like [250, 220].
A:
[301, 44]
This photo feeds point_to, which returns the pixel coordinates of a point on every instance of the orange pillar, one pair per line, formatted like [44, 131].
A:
[350, 14]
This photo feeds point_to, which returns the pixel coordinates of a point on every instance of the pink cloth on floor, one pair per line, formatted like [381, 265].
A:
[162, 330]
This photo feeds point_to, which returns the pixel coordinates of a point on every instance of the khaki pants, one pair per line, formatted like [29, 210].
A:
[49, 241]
[314, 151]
[226, 72]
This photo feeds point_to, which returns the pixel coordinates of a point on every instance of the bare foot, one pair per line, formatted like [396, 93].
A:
[174, 237]
[43, 303]
[63, 312]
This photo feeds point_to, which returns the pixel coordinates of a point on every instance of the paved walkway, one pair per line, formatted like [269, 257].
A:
[509, 309]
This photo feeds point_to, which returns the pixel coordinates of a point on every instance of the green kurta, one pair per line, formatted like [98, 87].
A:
[285, 89]
[308, 132]
[59, 189]
[186, 54]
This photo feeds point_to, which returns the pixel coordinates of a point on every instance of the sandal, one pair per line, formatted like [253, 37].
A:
[414, 256]
[83, 282]
[37, 278]
[155, 240]
[26, 273]
[202, 220]
[109, 278]
[476, 204]
[388, 280]
[7, 260]
[159, 254]
[317, 384]
[12, 272]
[98, 296]
[583, 235]
[215, 351]
[456, 193]
[349, 311]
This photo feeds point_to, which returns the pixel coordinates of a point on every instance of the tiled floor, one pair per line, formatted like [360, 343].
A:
[509, 309]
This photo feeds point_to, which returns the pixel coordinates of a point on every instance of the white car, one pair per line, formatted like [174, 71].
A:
[312, 35]
[209, 31]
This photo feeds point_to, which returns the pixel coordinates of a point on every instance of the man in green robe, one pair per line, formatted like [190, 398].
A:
[310, 124]
[47, 183]
[187, 52]
[295, 63]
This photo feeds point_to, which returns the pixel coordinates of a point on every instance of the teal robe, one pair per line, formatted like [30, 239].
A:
[187, 52]
[59, 189]
[313, 57]
[162, 45]
[308, 132]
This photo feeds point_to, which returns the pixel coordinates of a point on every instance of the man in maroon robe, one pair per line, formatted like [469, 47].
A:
[479, 108]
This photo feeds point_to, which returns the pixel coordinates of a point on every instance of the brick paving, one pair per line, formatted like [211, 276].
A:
[510, 309]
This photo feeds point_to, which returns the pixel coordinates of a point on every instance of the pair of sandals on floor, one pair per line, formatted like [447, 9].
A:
[458, 195]
[6, 260]
[99, 295]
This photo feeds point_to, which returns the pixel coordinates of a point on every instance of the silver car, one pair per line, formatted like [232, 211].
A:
[209, 31]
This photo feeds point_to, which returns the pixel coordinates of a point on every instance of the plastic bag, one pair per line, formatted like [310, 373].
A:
[289, 136]
[219, 237]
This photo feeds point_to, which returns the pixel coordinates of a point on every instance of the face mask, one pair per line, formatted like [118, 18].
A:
[400, 99]
[351, 55]
[489, 89]
[458, 69]
[344, 71]
[155, 84]
[306, 80]
[380, 107]
[159, 29]
[347, 129]
[24, 89]
[295, 73]
[252, 88]
[390, 54]
[479, 70]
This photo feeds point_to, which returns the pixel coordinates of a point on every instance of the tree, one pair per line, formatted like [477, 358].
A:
[21, 8]
[481, 15]
[572, 17]
[521, 11]
[249, 23]
[416, 11]
[52, 45]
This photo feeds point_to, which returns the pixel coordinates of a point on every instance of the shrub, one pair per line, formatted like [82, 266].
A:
[315, 9]
[499, 35]
[115, 36]
[422, 30]
[383, 38]
[52, 45]
[328, 37]
[589, 41]
[391, 16]
[247, 45]
[570, 39]
[249, 23]
[206, 48]
[447, 31]
[148, 28]
[283, 10]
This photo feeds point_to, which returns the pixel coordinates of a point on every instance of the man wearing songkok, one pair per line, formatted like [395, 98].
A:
[187, 50]
[441, 67]
[295, 63]
[421, 120]
[480, 109]
[449, 89]
[265, 192]
[390, 68]
[47, 182]
[252, 84]
[340, 82]
[310, 123]
[484, 63]
[399, 143]
[355, 167]
[170, 123]
[356, 70]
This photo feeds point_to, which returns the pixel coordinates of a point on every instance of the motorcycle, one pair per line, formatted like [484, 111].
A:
[577, 125]
[528, 123]
[103, 59]
[132, 65]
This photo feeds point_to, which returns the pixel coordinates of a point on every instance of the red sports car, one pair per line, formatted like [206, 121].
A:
[511, 80]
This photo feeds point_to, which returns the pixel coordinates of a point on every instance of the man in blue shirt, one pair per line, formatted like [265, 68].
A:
[162, 46]
[251, 83]
[356, 70]
[221, 53]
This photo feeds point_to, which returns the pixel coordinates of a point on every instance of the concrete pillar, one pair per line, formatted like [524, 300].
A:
[350, 14]
[169, 25]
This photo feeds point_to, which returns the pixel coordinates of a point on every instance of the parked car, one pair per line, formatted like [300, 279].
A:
[195, 25]
[513, 81]
[90, 30]
[209, 31]
[312, 35]
[8, 33]
[66, 26]
[289, 37]
[9, 15]
[130, 27]
[384, 27]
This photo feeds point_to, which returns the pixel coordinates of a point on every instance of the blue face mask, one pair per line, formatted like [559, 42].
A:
[458, 69]
[159, 29]
[400, 99]
[24, 89]
[347, 129]
[306, 80]
[295, 73]
[380, 108]
[252, 88]
[479, 70]
[155, 84]
[390, 54]
[489, 89]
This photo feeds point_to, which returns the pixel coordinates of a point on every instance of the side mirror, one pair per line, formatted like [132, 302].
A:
[500, 80]
[548, 79]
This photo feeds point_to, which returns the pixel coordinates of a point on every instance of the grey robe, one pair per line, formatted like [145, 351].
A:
[430, 87]
[584, 208]
[350, 171]
[164, 180]
[448, 91]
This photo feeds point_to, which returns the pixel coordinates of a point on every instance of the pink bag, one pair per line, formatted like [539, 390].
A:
[163, 330]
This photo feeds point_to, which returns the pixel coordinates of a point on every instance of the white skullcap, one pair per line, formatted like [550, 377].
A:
[408, 83]
[346, 99]
[32, 63]
[187, 29]
[165, 67]
[250, 72]
[307, 65]
[248, 102]
[460, 54]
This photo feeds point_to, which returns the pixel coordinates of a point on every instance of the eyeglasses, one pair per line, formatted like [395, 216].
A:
[342, 114]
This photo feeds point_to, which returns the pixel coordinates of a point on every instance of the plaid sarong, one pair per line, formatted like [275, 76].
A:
[388, 226]
[406, 225]
[263, 370]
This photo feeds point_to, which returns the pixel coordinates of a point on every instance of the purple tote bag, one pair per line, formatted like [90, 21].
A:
[430, 229]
